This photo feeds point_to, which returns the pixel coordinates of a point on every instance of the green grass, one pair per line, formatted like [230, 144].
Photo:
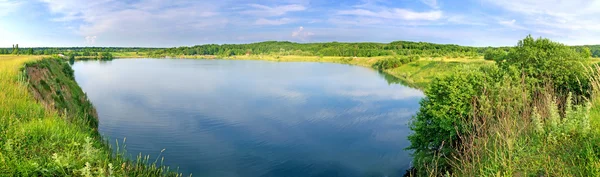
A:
[36, 140]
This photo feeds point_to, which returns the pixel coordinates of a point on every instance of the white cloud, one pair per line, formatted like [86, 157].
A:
[301, 34]
[281, 21]
[262, 10]
[557, 19]
[395, 13]
[143, 19]
[511, 24]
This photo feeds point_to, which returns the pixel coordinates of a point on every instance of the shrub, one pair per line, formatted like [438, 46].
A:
[443, 116]
[394, 62]
[494, 54]
[547, 61]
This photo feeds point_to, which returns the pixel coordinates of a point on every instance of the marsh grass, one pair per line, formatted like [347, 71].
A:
[39, 141]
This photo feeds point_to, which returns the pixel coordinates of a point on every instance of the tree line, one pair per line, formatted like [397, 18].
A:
[366, 49]
[78, 51]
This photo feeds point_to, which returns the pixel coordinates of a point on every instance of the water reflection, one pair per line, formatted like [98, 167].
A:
[254, 118]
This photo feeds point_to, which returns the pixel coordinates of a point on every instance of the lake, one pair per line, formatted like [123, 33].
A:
[226, 118]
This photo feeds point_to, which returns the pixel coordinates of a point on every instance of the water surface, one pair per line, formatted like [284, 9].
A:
[223, 118]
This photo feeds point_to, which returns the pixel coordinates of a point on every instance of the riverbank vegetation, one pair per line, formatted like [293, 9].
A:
[58, 135]
[533, 113]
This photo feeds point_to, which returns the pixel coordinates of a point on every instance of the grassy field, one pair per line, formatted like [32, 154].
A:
[36, 140]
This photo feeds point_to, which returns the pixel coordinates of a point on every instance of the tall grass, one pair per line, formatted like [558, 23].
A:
[516, 133]
[38, 141]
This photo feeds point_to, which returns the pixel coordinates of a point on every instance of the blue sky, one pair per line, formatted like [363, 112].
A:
[162, 23]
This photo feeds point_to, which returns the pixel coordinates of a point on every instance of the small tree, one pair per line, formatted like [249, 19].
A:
[443, 116]
[15, 49]
[494, 54]
[543, 60]
[586, 53]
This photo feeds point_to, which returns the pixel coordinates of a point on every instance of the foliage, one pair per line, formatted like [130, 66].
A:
[540, 135]
[324, 49]
[544, 60]
[443, 116]
[77, 51]
[528, 93]
[494, 54]
[394, 62]
[588, 50]
[15, 49]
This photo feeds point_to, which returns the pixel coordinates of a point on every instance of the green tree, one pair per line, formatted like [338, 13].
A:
[16, 51]
[544, 61]
[586, 53]
[443, 116]
[494, 54]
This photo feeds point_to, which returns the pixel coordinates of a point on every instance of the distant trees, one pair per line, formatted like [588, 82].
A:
[586, 52]
[326, 49]
[78, 51]
[283, 48]
[394, 62]
[15, 49]
[105, 56]
[594, 50]
[494, 54]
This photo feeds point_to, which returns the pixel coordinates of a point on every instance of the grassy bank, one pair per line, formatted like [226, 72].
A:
[49, 138]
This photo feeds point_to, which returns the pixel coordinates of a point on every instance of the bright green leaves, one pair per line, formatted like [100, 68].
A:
[394, 62]
[546, 61]
[444, 114]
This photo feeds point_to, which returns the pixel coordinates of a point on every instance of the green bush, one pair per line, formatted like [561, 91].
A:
[444, 114]
[394, 62]
[494, 54]
[546, 61]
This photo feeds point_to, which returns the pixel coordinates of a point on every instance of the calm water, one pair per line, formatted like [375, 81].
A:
[223, 118]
